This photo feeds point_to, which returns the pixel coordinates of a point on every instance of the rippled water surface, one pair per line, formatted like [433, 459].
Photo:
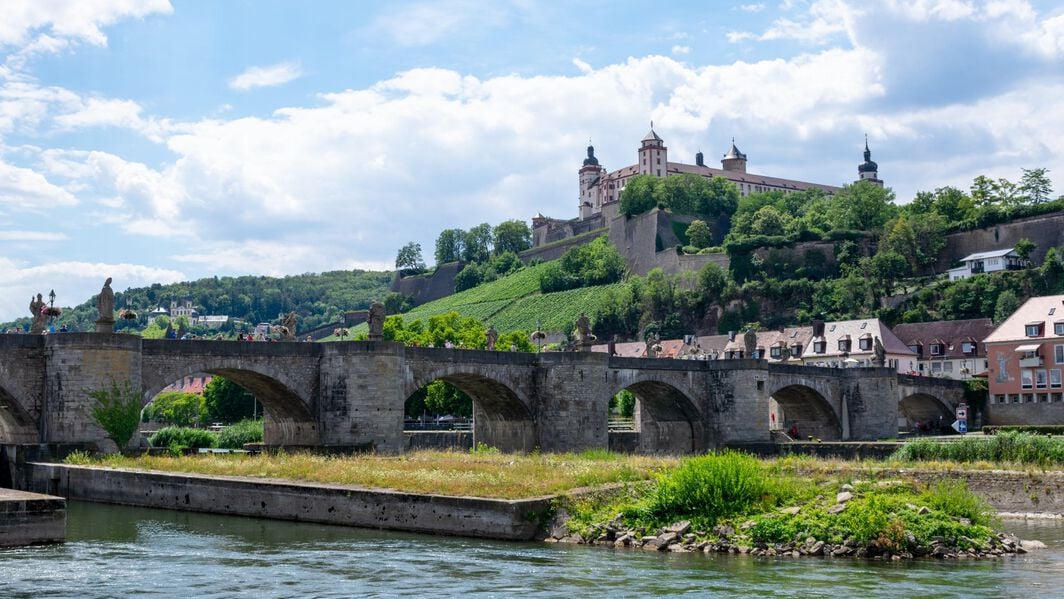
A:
[122, 551]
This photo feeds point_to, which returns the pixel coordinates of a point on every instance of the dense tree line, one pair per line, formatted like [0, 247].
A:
[683, 194]
[316, 299]
[595, 263]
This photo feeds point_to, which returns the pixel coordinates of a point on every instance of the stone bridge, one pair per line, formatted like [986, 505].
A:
[352, 394]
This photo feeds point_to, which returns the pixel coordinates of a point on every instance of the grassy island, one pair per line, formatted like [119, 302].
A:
[726, 502]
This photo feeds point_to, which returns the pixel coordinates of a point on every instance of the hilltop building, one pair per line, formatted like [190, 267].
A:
[600, 188]
[992, 261]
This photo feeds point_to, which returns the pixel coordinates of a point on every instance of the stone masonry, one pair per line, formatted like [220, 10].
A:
[351, 395]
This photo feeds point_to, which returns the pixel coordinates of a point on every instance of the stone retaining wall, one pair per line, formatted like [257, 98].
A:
[29, 518]
[289, 500]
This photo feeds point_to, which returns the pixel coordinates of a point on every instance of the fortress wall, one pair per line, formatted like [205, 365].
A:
[1045, 231]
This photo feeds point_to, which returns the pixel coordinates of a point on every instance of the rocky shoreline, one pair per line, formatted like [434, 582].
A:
[679, 538]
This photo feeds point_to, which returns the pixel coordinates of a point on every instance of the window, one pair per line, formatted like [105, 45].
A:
[865, 343]
[1054, 378]
[1028, 398]
[1026, 379]
[936, 366]
[947, 366]
[1055, 397]
[1014, 398]
[775, 352]
[936, 349]
[844, 345]
[819, 347]
[968, 347]
[1058, 328]
[796, 350]
[1040, 379]
[1000, 398]
[915, 349]
[1058, 354]
[1033, 330]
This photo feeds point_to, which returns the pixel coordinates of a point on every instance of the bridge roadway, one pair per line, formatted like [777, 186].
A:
[352, 394]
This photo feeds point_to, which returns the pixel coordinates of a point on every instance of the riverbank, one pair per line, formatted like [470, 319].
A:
[31, 518]
[492, 495]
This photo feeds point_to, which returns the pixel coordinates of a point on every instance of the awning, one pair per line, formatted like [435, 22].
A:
[1031, 347]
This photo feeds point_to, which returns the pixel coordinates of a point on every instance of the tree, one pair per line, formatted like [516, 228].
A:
[770, 221]
[478, 244]
[1023, 248]
[409, 260]
[642, 193]
[699, 234]
[885, 268]
[623, 403]
[917, 238]
[442, 398]
[712, 280]
[117, 411]
[226, 402]
[862, 206]
[450, 246]
[1035, 185]
[1007, 303]
[512, 236]
[175, 407]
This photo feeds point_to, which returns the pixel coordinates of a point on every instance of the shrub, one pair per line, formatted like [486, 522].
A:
[176, 436]
[117, 411]
[1040, 429]
[954, 499]
[711, 487]
[236, 435]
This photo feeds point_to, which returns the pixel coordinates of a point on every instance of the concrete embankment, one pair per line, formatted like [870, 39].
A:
[30, 518]
[289, 500]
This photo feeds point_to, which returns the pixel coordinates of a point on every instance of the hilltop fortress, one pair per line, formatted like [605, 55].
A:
[600, 191]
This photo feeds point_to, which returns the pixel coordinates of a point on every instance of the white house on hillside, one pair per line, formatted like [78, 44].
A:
[992, 261]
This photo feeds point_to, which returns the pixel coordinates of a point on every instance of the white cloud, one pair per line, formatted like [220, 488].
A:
[681, 50]
[25, 189]
[270, 76]
[36, 26]
[760, 6]
[73, 281]
[31, 236]
[425, 23]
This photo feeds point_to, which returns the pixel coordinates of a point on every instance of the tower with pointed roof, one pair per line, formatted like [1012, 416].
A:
[868, 170]
[734, 160]
[590, 177]
[653, 155]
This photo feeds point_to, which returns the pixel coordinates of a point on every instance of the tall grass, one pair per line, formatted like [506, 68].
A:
[1020, 448]
[711, 487]
[954, 498]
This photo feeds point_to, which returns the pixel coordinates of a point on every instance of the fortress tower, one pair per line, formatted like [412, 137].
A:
[653, 155]
[868, 170]
[590, 177]
[734, 160]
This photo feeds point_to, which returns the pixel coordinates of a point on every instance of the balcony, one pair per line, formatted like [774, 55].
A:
[1031, 362]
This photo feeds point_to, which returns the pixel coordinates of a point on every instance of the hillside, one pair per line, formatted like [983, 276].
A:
[315, 298]
[514, 302]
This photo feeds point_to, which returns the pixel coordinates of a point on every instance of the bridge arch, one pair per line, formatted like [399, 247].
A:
[501, 417]
[17, 425]
[667, 418]
[288, 419]
[924, 412]
[803, 409]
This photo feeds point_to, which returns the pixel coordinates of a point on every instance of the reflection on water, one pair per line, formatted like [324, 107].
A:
[123, 551]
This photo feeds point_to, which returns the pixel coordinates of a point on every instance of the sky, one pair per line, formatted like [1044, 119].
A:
[168, 140]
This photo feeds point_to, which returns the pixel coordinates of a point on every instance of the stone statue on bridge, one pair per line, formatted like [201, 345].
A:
[375, 320]
[491, 336]
[39, 317]
[879, 353]
[584, 338]
[105, 306]
[288, 327]
[750, 341]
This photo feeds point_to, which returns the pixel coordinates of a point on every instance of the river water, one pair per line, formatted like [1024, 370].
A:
[115, 551]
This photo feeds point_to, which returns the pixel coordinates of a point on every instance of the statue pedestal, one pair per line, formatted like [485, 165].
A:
[37, 329]
[585, 345]
[105, 325]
